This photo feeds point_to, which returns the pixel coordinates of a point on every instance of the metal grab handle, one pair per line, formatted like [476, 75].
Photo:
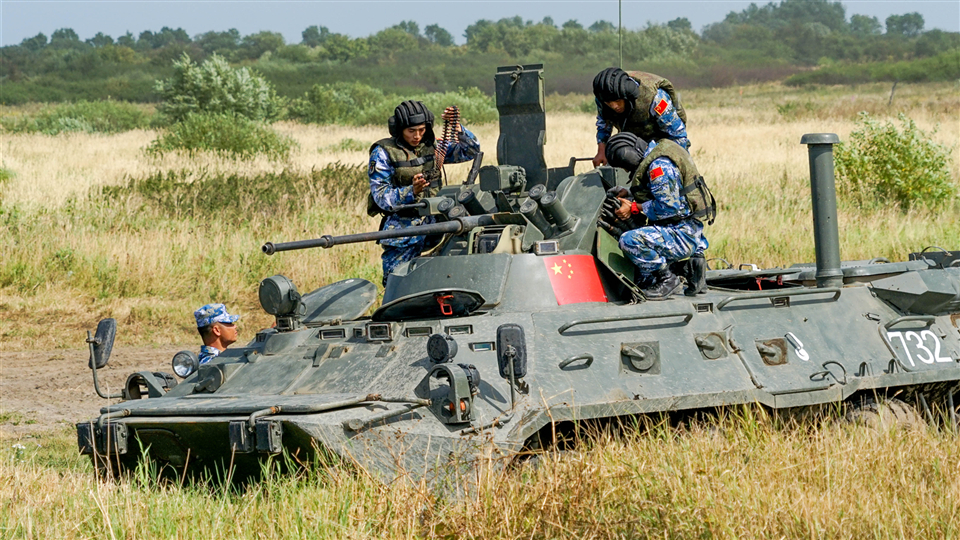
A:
[687, 315]
[779, 293]
[929, 319]
[572, 359]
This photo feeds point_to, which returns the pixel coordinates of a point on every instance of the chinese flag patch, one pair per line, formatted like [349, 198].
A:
[574, 279]
[662, 106]
[656, 173]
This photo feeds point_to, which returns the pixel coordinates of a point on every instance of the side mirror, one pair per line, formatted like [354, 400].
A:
[511, 349]
[101, 345]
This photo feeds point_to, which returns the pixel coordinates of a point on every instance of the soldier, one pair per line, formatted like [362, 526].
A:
[218, 330]
[399, 169]
[640, 103]
[670, 194]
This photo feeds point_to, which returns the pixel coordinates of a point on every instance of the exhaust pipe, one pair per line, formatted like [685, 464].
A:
[826, 237]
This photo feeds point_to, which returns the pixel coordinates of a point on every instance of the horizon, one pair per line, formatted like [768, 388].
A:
[21, 19]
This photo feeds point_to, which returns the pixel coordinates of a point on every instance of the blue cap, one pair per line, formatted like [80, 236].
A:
[212, 313]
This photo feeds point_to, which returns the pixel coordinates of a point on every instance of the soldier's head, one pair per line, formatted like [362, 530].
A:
[412, 123]
[625, 150]
[615, 89]
[216, 326]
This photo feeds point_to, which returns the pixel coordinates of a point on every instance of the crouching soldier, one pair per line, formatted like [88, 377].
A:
[668, 191]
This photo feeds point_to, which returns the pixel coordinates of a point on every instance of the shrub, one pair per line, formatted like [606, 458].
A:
[215, 87]
[280, 194]
[82, 116]
[358, 104]
[225, 134]
[882, 163]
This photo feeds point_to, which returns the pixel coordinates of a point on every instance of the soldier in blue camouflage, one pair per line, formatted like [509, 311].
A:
[640, 103]
[398, 171]
[670, 194]
[217, 328]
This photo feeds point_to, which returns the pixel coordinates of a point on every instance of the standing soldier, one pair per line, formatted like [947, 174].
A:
[640, 103]
[670, 194]
[400, 170]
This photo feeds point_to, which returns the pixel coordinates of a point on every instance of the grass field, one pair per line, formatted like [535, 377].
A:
[90, 226]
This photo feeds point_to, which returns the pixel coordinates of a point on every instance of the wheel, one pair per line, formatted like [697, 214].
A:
[884, 413]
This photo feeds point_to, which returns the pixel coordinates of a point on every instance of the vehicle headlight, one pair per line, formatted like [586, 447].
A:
[185, 363]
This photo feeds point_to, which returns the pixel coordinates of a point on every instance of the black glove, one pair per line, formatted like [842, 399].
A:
[617, 191]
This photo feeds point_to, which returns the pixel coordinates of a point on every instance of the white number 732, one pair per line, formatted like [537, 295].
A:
[918, 343]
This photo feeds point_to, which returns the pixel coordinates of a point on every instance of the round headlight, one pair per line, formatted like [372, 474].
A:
[185, 363]
[279, 296]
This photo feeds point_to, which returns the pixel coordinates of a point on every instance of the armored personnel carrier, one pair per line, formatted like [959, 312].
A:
[527, 315]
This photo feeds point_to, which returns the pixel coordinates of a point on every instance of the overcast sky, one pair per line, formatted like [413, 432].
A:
[20, 19]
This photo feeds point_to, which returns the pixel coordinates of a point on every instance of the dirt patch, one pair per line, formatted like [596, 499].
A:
[42, 390]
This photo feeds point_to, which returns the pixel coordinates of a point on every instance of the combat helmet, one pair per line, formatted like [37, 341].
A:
[411, 113]
[614, 83]
[625, 150]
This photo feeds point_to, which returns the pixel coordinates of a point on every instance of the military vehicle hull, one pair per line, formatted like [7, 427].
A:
[527, 315]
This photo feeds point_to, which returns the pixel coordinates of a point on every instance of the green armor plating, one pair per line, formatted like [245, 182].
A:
[699, 198]
[407, 164]
[639, 121]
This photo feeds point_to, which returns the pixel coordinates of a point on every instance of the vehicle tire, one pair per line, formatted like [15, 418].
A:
[884, 414]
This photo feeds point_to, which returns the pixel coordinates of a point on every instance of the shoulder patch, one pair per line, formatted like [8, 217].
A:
[661, 107]
[656, 173]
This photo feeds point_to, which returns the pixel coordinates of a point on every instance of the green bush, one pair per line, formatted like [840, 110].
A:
[225, 134]
[882, 164]
[5, 175]
[358, 104]
[283, 194]
[82, 116]
[215, 87]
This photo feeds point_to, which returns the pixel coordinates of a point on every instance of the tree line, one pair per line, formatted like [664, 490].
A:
[757, 43]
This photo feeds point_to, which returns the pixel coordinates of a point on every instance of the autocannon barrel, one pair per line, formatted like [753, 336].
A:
[454, 226]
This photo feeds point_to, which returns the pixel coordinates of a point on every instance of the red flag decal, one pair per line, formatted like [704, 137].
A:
[662, 106]
[574, 279]
[656, 173]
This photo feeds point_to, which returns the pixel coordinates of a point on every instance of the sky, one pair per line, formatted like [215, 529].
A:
[21, 19]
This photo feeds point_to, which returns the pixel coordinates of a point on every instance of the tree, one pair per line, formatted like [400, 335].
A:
[438, 36]
[908, 24]
[681, 24]
[572, 24]
[254, 45]
[35, 43]
[864, 26]
[602, 26]
[64, 36]
[127, 40]
[314, 36]
[410, 27]
[100, 40]
[222, 43]
[548, 21]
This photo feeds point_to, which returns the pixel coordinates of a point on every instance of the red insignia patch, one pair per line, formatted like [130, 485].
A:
[656, 173]
[662, 106]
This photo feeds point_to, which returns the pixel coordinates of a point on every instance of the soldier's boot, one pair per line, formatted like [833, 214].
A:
[664, 284]
[695, 272]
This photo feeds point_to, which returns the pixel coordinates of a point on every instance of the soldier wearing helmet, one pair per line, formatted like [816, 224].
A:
[398, 171]
[669, 192]
[640, 103]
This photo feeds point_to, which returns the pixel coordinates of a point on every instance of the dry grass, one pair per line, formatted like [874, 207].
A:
[742, 478]
[141, 265]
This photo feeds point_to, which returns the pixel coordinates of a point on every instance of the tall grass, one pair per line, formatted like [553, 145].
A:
[743, 477]
[83, 116]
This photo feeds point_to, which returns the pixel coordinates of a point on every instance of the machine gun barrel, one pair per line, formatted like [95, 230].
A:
[454, 226]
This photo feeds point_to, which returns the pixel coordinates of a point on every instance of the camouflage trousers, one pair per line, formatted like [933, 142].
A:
[654, 247]
[393, 256]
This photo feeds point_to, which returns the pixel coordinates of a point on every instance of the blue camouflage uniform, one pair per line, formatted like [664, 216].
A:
[669, 121]
[653, 247]
[388, 196]
[206, 316]
[208, 353]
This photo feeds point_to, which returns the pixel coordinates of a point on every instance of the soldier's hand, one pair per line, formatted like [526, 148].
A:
[600, 158]
[623, 212]
[618, 192]
[450, 113]
[419, 184]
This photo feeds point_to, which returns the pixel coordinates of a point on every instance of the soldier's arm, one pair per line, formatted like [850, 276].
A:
[669, 121]
[464, 149]
[665, 183]
[380, 172]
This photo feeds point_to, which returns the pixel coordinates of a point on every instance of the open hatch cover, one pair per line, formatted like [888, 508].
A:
[346, 300]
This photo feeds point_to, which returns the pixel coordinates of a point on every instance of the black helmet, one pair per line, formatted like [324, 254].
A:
[408, 114]
[613, 83]
[625, 150]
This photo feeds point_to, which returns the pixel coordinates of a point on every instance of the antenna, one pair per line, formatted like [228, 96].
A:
[620, 30]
